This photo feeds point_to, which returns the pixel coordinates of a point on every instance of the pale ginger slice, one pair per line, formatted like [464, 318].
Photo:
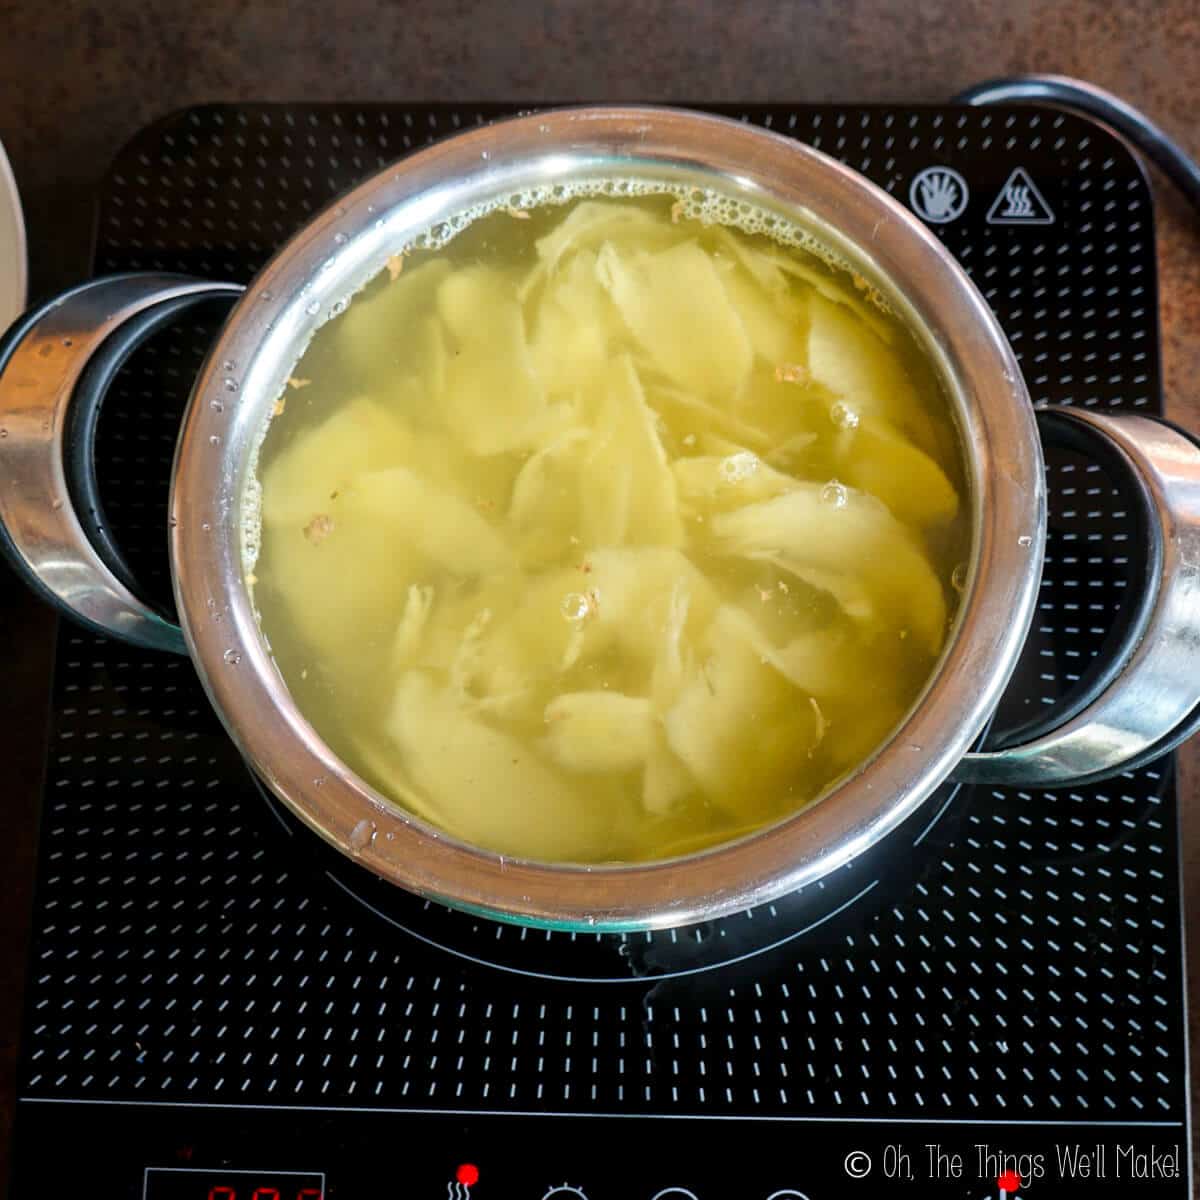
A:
[465, 664]
[382, 531]
[491, 360]
[666, 782]
[305, 477]
[598, 731]
[440, 525]
[829, 663]
[858, 538]
[627, 493]
[831, 288]
[771, 267]
[738, 725]
[614, 601]
[861, 372]
[850, 593]
[314, 531]
[573, 325]
[685, 407]
[672, 658]
[592, 223]
[341, 626]
[485, 786]
[875, 457]
[637, 592]
[677, 310]
[711, 483]
[377, 331]
[762, 264]
[532, 490]
[774, 320]
[410, 634]
[790, 449]
[783, 401]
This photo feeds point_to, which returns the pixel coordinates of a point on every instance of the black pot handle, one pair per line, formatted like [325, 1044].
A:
[1143, 698]
[56, 364]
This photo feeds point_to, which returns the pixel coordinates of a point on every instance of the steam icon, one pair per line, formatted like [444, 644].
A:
[1008, 1184]
[464, 1179]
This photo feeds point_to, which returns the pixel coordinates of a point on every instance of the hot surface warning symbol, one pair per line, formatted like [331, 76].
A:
[1020, 203]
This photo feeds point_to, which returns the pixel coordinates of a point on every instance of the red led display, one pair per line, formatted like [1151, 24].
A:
[222, 1191]
[230, 1183]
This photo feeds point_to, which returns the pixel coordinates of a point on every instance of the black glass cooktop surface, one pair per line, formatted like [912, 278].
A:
[218, 1006]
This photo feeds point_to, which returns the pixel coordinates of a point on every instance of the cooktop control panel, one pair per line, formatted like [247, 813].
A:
[236, 1154]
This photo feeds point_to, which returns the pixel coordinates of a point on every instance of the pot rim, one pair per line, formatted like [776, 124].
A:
[328, 260]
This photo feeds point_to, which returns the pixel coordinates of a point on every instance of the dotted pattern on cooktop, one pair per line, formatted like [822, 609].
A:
[1022, 962]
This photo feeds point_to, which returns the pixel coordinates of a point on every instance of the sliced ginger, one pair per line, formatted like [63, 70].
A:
[608, 534]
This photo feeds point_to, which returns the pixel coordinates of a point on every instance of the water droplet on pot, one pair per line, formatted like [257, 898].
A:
[362, 835]
[339, 239]
[339, 307]
[232, 657]
[56, 504]
[216, 406]
[172, 522]
[834, 494]
[214, 440]
[205, 526]
[958, 577]
[266, 294]
[3, 433]
[228, 365]
[312, 308]
[68, 342]
[1024, 540]
[231, 385]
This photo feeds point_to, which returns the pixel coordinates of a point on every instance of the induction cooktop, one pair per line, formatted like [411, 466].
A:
[219, 1007]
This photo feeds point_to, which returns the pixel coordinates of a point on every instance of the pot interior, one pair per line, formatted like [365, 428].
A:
[442, 192]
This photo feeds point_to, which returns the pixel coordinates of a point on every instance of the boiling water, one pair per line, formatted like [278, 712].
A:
[609, 528]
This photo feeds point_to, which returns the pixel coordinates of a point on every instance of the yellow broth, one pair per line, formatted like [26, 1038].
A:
[605, 531]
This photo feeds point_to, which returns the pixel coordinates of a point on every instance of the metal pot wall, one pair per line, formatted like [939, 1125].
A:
[56, 362]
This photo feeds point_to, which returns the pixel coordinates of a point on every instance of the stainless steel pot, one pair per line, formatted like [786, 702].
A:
[52, 365]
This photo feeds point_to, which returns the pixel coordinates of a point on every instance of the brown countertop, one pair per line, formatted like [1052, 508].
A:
[77, 78]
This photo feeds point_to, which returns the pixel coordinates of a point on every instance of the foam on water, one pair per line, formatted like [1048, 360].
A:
[706, 205]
